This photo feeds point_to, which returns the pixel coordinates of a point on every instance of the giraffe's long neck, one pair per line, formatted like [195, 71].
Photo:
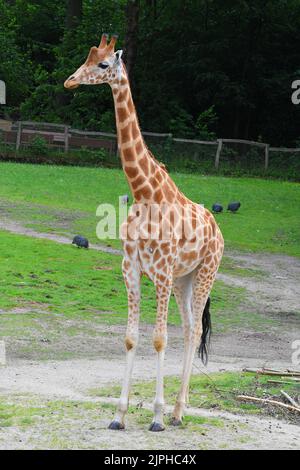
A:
[148, 181]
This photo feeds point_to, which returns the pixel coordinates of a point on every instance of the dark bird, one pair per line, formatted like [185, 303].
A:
[217, 207]
[233, 206]
[80, 241]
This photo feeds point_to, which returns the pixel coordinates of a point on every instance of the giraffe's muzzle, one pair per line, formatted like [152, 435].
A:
[71, 83]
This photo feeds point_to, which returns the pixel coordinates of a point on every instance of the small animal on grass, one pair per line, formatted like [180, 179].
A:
[80, 241]
[178, 247]
[217, 207]
[233, 206]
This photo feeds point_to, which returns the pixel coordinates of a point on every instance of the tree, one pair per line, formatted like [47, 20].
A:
[184, 57]
[131, 36]
[15, 68]
[73, 13]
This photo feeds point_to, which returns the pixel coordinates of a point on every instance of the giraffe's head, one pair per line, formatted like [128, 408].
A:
[103, 65]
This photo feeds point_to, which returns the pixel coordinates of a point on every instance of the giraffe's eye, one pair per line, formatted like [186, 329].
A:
[102, 65]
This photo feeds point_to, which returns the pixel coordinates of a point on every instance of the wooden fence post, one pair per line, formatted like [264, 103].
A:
[267, 147]
[19, 133]
[219, 148]
[66, 138]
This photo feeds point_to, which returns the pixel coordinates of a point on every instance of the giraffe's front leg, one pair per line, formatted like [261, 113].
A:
[163, 291]
[132, 277]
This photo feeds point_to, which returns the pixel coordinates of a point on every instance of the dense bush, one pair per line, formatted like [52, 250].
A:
[201, 68]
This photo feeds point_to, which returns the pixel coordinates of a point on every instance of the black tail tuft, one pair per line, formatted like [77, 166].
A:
[206, 331]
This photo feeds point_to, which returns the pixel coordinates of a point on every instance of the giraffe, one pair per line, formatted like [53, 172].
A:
[185, 261]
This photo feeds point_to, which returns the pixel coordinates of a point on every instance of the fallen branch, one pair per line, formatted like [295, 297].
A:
[290, 399]
[294, 379]
[284, 382]
[295, 373]
[268, 401]
[271, 372]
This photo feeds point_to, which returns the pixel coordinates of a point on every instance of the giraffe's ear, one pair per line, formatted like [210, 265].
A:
[117, 56]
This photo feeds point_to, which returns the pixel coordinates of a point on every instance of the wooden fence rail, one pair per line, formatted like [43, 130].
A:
[63, 136]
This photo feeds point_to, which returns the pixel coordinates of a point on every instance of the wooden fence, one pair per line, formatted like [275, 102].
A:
[22, 134]
[64, 137]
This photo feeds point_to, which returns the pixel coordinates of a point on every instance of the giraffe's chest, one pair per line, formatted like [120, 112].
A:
[156, 257]
[167, 258]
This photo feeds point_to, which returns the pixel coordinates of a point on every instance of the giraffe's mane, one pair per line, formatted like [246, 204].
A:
[162, 165]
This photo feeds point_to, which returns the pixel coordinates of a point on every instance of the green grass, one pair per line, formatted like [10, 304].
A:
[67, 293]
[26, 411]
[267, 221]
[52, 424]
[61, 279]
[218, 390]
[193, 423]
[12, 414]
[56, 282]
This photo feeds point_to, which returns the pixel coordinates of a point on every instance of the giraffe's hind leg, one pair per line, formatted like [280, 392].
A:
[163, 292]
[182, 288]
[202, 283]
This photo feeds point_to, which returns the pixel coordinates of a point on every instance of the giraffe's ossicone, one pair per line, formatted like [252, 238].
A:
[167, 237]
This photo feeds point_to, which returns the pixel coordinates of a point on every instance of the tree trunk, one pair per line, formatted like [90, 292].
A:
[248, 122]
[236, 126]
[73, 13]
[131, 37]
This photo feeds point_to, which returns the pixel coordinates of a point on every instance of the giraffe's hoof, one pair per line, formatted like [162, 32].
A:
[175, 422]
[116, 425]
[156, 427]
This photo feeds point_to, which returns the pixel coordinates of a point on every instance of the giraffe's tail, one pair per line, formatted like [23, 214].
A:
[206, 330]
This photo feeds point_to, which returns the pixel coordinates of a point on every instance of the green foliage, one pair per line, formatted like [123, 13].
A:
[205, 123]
[15, 65]
[181, 124]
[41, 105]
[87, 108]
[203, 69]
[38, 146]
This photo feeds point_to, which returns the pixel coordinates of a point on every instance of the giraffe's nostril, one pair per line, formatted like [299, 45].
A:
[71, 78]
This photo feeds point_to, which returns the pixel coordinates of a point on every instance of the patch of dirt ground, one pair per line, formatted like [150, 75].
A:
[278, 286]
[83, 425]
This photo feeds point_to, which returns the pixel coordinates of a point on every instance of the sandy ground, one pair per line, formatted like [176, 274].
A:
[278, 292]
